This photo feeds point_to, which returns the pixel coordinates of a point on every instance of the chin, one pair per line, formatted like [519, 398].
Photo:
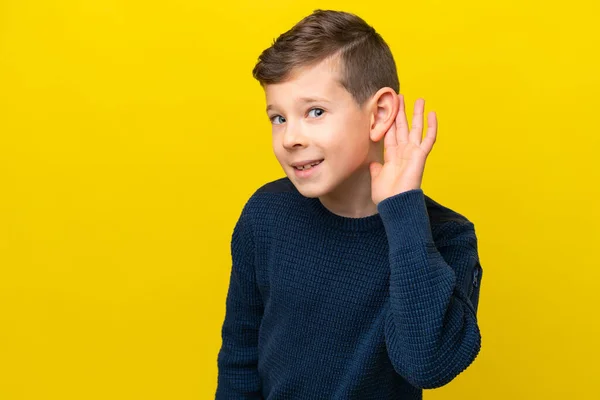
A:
[310, 189]
[309, 193]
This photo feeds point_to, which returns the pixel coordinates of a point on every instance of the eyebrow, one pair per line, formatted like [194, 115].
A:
[305, 100]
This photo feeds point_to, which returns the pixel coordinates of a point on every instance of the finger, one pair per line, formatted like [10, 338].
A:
[390, 136]
[389, 143]
[375, 169]
[401, 123]
[416, 132]
[431, 135]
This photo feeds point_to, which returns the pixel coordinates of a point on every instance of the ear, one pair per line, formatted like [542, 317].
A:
[383, 109]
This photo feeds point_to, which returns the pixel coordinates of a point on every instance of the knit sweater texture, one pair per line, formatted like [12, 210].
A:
[322, 306]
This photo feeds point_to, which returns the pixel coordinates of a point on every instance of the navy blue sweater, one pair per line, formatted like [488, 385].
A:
[322, 306]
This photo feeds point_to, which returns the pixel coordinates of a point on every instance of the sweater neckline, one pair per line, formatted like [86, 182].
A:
[336, 221]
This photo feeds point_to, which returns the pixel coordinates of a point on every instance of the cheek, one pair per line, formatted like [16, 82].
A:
[275, 145]
[277, 151]
[356, 144]
[346, 156]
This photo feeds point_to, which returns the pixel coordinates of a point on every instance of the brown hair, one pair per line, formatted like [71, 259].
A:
[366, 62]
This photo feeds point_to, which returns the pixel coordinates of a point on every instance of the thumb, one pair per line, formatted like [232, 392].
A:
[375, 169]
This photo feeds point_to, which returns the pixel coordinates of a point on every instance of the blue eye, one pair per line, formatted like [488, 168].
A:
[276, 116]
[317, 109]
[273, 119]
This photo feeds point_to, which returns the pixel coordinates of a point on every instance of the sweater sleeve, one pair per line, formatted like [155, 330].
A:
[431, 329]
[237, 360]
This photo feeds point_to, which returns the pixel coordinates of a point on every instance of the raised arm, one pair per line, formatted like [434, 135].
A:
[431, 328]
[238, 357]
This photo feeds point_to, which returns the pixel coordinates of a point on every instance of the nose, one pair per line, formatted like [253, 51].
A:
[294, 136]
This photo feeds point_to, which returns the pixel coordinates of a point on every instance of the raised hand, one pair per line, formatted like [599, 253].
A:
[405, 154]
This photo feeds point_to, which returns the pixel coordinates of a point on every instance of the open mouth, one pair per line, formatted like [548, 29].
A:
[308, 166]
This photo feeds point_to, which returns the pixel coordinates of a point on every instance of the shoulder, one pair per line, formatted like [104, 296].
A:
[447, 223]
[272, 200]
[277, 192]
[440, 214]
[281, 185]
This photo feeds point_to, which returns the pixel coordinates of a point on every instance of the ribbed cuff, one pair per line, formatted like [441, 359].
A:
[405, 219]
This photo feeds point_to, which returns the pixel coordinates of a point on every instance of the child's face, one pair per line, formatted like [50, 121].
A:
[314, 118]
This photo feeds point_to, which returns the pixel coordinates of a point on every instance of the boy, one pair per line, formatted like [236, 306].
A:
[347, 281]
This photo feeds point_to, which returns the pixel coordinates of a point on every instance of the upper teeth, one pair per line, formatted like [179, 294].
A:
[307, 165]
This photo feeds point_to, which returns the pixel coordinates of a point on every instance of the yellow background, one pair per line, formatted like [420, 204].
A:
[132, 133]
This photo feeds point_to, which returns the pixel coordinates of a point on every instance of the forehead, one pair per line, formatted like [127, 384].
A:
[318, 82]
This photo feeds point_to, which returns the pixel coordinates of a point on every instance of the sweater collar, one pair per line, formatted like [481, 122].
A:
[323, 214]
